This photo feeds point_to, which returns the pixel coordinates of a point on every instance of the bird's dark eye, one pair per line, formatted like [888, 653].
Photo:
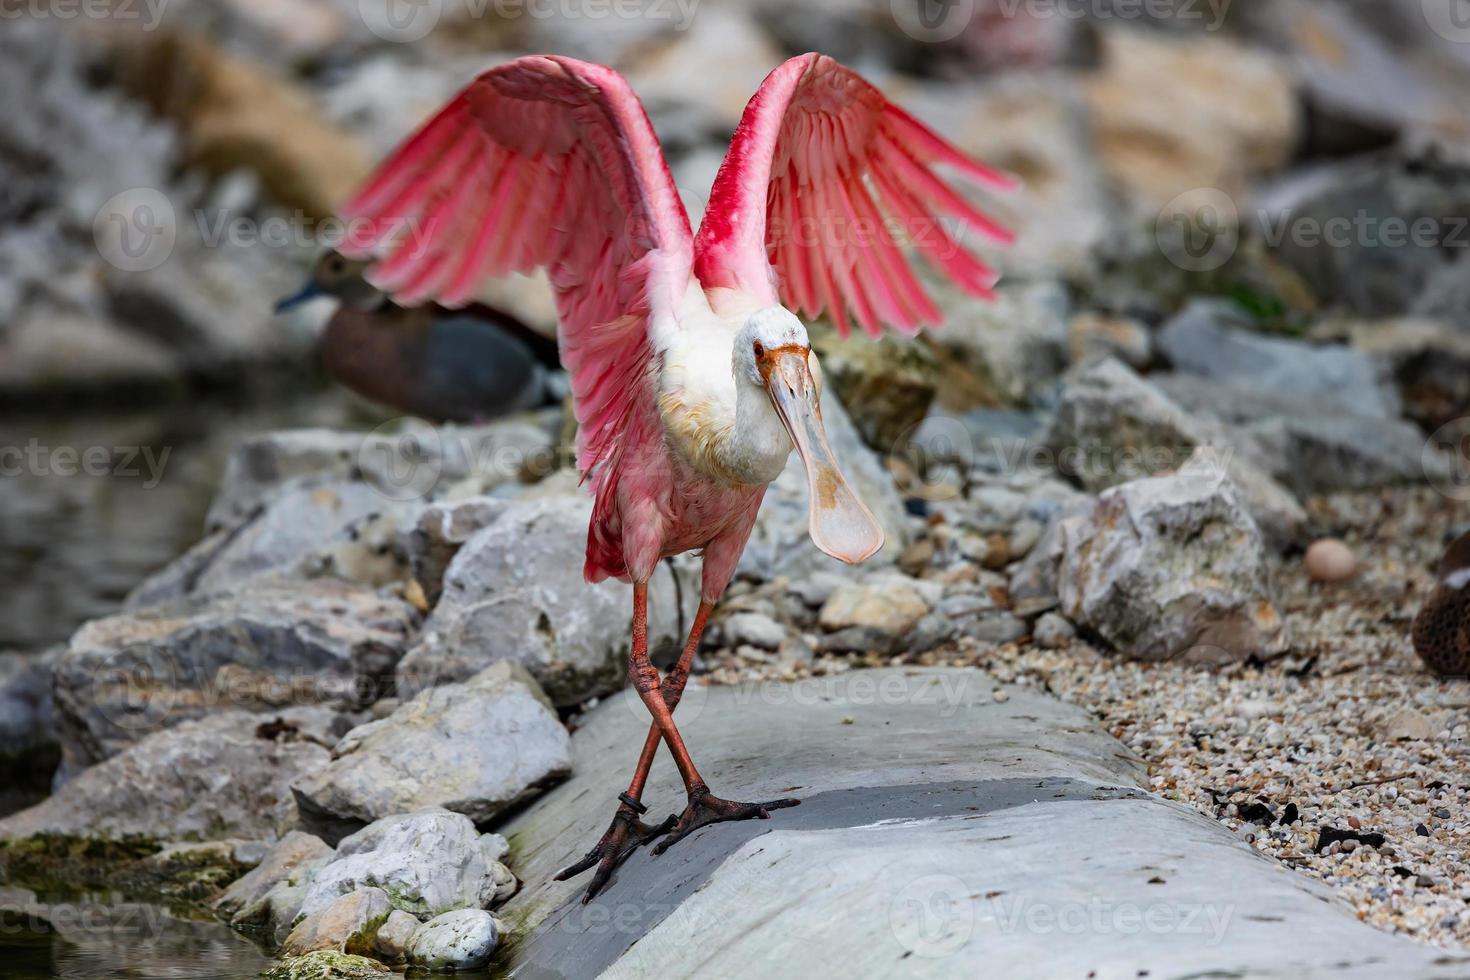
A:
[336, 264]
[759, 348]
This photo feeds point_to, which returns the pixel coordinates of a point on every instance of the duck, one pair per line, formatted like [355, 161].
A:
[1441, 630]
[444, 365]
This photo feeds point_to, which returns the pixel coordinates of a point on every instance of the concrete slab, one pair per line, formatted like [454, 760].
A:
[942, 833]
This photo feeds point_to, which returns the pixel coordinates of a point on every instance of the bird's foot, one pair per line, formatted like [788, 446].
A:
[705, 808]
[624, 835]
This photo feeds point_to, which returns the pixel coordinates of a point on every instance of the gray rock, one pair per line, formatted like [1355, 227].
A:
[348, 925]
[515, 592]
[226, 775]
[458, 940]
[753, 628]
[442, 528]
[1172, 567]
[305, 528]
[410, 462]
[992, 627]
[930, 793]
[1309, 450]
[27, 716]
[476, 748]
[272, 644]
[1210, 339]
[393, 935]
[1393, 216]
[428, 862]
[887, 606]
[780, 543]
[248, 899]
[1112, 426]
[1052, 631]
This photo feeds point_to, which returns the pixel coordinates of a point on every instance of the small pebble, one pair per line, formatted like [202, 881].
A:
[1330, 560]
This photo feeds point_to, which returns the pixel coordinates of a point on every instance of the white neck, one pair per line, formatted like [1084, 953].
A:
[756, 448]
[726, 427]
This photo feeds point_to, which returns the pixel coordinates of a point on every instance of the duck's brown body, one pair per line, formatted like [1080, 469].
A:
[443, 365]
[1442, 628]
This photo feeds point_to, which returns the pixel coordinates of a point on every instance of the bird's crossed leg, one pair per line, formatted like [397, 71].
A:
[627, 833]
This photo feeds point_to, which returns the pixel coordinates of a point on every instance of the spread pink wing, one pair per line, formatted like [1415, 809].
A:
[826, 181]
[543, 162]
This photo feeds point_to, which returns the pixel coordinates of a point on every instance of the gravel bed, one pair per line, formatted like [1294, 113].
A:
[1345, 759]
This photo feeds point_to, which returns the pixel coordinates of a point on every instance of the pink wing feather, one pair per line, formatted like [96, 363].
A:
[822, 172]
[543, 162]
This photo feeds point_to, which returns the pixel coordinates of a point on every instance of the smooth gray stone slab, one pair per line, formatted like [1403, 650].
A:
[942, 833]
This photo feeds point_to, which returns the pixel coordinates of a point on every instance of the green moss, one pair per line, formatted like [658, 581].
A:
[326, 964]
[139, 868]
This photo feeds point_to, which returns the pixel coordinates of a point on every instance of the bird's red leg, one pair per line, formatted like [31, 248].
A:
[627, 833]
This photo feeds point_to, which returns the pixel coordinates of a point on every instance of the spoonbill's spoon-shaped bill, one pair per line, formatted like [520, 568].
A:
[840, 523]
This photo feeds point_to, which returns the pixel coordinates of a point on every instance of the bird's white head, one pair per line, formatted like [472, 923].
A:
[772, 352]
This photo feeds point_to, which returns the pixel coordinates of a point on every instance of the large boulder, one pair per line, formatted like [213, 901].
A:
[227, 775]
[428, 862]
[273, 644]
[1172, 567]
[1210, 339]
[514, 592]
[1112, 426]
[476, 748]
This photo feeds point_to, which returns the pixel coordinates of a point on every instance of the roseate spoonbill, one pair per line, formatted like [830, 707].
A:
[444, 365]
[692, 381]
[1442, 628]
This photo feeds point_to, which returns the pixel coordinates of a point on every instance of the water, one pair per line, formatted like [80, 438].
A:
[102, 936]
[90, 504]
